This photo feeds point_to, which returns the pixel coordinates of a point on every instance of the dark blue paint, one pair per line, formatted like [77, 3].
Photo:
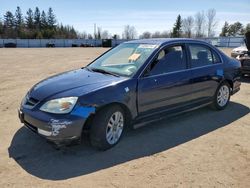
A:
[220, 72]
[146, 96]
[83, 111]
[77, 82]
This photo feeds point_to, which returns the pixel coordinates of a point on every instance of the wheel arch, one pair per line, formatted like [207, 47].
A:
[229, 81]
[126, 110]
[123, 106]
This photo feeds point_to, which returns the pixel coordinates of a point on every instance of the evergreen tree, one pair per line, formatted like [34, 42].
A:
[37, 18]
[247, 29]
[236, 29]
[44, 23]
[115, 36]
[1, 28]
[19, 18]
[9, 20]
[30, 19]
[51, 20]
[9, 25]
[35, 25]
[177, 27]
[225, 30]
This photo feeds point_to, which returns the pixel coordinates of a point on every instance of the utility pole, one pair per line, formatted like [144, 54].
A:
[94, 31]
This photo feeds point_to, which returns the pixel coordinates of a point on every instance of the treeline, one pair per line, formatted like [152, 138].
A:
[234, 29]
[202, 24]
[34, 25]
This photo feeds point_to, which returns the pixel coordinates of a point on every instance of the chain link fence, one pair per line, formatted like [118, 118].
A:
[229, 42]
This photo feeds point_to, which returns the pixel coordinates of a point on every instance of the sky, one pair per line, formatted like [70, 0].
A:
[144, 15]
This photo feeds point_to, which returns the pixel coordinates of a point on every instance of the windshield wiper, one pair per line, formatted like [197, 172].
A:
[87, 69]
[103, 71]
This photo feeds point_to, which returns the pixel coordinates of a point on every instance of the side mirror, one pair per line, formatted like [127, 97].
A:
[149, 68]
[146, 74]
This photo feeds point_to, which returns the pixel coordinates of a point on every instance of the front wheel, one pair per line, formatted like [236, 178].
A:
[222, 96]
[107, 127]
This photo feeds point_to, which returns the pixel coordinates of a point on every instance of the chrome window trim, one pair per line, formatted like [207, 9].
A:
[187, 69]
[159, 49]
[210, 49]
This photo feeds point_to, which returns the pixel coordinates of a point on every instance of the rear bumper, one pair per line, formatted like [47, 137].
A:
[236, 87]
[59, 129]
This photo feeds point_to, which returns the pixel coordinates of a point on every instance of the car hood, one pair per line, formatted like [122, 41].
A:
[81, 78]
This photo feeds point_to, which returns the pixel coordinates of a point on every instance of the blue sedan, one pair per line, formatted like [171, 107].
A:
[132, 84]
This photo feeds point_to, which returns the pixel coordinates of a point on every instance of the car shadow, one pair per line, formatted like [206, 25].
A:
[38, 158]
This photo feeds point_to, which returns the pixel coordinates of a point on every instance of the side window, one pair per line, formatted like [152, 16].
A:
[200, 55]
[216, 58]
[168, 60]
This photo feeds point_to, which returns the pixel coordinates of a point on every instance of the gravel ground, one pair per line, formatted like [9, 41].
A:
[203, 148]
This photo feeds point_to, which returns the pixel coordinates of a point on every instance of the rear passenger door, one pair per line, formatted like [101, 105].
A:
[206, 71]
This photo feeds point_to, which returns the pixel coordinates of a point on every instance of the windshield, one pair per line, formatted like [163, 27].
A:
[124, 60]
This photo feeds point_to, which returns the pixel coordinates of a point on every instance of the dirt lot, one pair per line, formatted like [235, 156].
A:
[203, 148]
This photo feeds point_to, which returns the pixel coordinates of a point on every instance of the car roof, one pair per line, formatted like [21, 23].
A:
[161, 41]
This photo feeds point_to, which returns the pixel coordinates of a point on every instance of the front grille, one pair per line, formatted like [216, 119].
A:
[246, 63]
[29, 102]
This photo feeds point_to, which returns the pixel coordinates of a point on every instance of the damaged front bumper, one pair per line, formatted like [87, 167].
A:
[58, 128]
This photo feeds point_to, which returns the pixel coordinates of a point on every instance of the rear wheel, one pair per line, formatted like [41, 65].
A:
[107, 127]
[222, 96]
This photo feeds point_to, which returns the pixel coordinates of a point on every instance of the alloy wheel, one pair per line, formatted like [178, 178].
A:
[114, 128]
[223, 95]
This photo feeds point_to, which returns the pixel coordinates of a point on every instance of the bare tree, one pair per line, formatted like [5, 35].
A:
[156, 34]
[165, 34]
[90, 36]
[187, 25]
[200, 24]
[82, 35]
[105, 34]
[145, 35]
[129, 32]
[211, 22]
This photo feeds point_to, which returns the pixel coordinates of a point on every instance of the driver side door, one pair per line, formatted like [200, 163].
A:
[166, 84]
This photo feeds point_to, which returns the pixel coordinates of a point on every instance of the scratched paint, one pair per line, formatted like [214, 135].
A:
[57, 125]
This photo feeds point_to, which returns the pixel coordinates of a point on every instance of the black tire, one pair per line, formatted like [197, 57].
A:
[98, 128]
[216, 105]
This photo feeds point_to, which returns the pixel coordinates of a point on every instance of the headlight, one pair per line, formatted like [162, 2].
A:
[59, 106]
